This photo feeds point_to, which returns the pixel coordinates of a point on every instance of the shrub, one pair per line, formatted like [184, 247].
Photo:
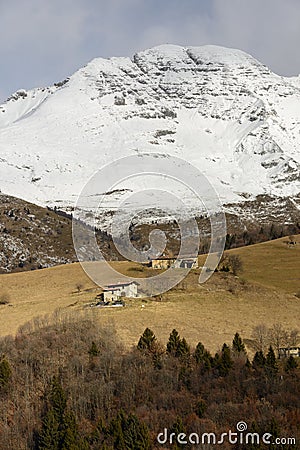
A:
[4, 299]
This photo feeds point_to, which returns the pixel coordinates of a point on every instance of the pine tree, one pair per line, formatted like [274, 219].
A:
[59, 428]
[49, 437]
[173, 342]
[223, 362]
[69, 434]
[58, 399]
[183, 349]
[116, 431]
[238, 345]
[271, 366]
[202, 356]
[274, 430]
[129, 433]
[5, 372]
[94, 350]
[259, 360]
[291, 364]
[147, 340]
[178, 428]
[99, 433]
[199, 353]
[200, 408]
[248, 364]
[136, 434]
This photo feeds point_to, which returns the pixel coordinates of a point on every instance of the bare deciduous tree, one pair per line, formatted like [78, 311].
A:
[278, 336]
[235, 263]
[260, 334]
[293, 338]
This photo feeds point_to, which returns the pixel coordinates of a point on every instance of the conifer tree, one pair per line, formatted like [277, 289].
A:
[69, 433]
[59, 428]
[147, 340]
[178, 428]
[136, 434]
[259, 360]
[238, 345]
[58, 399]
[49, 437]
[248, 364]
[116, 430]
[202, 356]
[200, 408]
[199, 353]
[271, 366]
[183, 349]
[99, 433]
[226, 357]
[274, 430]
[291, 364]
[94, 350]
[223, 362]
[5, 372]
[173, 343]
[129, 433]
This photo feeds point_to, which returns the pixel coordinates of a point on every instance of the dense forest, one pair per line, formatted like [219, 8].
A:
[67, 384]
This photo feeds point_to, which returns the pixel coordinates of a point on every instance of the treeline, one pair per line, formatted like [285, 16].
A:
[261, 234]
[67, 384]
[99, 233]
[255, 235]
[139, 235]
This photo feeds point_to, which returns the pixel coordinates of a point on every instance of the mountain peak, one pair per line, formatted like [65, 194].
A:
[215, 107]
[207, 58]
[201, 54]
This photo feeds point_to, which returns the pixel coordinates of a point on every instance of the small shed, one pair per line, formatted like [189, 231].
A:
[285, 352]
[186, 263]
[162, 262]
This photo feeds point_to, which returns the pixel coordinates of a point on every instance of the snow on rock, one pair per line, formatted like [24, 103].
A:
[218, 108]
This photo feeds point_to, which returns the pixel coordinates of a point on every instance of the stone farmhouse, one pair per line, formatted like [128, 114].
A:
[285, 352]
[113, 292]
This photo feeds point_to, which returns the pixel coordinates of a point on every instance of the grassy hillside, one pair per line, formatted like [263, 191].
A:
[275, 264]
[212, 312]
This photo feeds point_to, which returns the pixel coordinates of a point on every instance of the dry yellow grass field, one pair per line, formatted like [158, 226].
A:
[211, 313]
[274, 263]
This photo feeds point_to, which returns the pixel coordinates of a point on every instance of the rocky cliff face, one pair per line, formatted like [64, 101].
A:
[217, 108]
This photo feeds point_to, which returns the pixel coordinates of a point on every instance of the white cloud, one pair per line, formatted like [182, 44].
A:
[268, 29]
[39, 38]
[42, 42]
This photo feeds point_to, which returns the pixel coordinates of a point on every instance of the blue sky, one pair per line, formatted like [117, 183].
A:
[44, 41]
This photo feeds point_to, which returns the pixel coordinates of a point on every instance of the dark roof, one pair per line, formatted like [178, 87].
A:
[116, 285]
[187, 258]
[164, 258]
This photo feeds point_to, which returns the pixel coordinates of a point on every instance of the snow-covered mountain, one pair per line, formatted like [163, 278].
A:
[218, 108]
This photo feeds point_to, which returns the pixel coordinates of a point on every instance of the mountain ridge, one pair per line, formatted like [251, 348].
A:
[220, 109]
